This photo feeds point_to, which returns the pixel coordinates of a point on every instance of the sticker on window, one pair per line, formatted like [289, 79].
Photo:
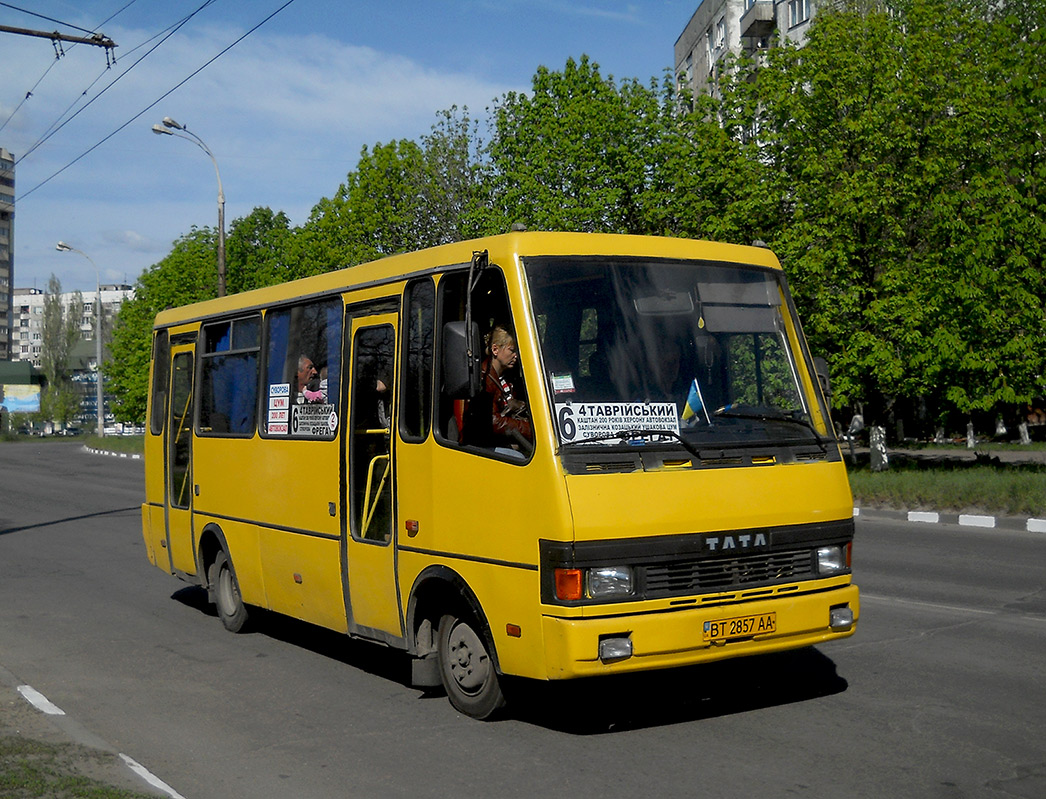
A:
[315, 421]
[583, 420]
[563, 384]
[279, 409]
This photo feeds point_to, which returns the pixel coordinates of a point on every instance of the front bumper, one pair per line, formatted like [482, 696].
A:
[673, 638]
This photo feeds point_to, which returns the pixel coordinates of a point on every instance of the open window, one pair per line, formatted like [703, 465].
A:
[303, 370]
[465, 418]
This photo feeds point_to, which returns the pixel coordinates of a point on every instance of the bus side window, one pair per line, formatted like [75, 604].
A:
[416, 370]
[490, 308]
[161, 377]
[302, 370]
[229, 377]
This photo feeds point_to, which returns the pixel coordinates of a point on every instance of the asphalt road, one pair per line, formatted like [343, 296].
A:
[939, 694]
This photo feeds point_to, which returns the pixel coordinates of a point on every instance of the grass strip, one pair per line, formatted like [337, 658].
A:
[977, 489]
[31, 769]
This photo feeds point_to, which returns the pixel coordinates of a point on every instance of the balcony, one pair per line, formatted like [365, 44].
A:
[758, 20]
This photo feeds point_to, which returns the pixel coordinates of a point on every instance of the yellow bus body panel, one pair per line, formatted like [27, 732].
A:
[272, 500]
[640, 504]
[278, 502]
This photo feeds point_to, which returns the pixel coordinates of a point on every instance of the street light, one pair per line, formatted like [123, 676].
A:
[63, 247]
[162, 129]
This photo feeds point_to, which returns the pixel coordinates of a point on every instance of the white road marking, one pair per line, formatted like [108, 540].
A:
[149, 777]
[45, 705]
[39, 701]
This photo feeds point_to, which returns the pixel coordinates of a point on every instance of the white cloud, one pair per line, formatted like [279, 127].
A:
[285, 115]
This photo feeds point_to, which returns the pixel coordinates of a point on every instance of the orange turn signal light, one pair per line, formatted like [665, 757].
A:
[568, 584]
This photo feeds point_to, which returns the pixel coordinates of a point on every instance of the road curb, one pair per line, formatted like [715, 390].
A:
[30, 715]
[134, 456]
[1025, 524]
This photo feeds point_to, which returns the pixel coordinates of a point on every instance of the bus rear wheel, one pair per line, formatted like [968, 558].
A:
[466, 668]
[227, 599]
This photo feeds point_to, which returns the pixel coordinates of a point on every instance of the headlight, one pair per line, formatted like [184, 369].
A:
[609, 581]
[831, 560]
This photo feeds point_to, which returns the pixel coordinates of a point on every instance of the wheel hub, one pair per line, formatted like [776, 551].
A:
[469, 663]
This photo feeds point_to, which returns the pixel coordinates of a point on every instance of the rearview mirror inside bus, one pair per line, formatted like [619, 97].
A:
[461, 377]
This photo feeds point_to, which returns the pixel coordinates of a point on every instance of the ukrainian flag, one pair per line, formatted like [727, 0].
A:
[694, 403]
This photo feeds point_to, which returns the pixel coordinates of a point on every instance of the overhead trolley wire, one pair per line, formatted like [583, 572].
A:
[55, 21]
[155, 102]
[55, 126]
[57, 58]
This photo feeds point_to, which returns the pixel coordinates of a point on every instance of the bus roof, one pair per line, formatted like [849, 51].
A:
[503, 249]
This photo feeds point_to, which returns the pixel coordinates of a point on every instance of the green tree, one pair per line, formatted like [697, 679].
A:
[188, 274]
[59, 401]
[257, 250]
[895, 164]
[577, 153]
[402, 196]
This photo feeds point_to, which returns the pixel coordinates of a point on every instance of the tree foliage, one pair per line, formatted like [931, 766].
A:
[895, 163]
[577, 153]
[188, 274]
[257, 251]
[402, 196]
[59, 401]
[903, 148]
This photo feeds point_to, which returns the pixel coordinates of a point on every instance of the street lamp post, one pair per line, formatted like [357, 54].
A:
[63, 247]
[162, 129]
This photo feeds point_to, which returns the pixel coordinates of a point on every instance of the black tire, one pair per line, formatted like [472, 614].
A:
[466, 668]
[227, 599]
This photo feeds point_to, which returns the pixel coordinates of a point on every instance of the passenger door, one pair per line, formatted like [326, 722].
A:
[371, 593]
[178, 441]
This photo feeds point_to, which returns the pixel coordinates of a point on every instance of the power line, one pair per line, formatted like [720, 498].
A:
[49, 19]
[57, 127]
[28, 94]
[155, 103]
[51, 65]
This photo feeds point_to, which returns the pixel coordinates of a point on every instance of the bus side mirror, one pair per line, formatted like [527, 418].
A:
[461, 377]
[821, 368]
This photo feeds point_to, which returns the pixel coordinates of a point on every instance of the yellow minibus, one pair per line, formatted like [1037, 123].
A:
[542, 455]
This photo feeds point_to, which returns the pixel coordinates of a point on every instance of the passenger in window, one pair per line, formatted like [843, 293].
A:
[497, 417]
[309, 388]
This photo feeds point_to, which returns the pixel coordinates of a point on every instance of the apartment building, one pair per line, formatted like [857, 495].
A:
[7, 225]
[720, 27]
[28, 315]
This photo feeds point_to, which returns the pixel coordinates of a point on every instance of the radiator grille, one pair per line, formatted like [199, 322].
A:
[724, 574]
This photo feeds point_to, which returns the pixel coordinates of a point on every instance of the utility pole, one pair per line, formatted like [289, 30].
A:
[95, 39]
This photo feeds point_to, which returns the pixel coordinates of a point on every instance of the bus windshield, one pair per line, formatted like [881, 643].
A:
[699, 355]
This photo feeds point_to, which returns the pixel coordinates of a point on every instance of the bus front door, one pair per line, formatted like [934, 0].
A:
[371, 593]
[178, 462]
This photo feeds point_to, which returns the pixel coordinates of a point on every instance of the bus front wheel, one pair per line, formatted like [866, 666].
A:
[227, 599]
[466, 669]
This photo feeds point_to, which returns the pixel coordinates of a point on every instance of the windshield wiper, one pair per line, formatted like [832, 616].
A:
[766, 416]
[625, 435]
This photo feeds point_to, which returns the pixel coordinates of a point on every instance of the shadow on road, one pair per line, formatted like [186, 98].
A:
[602, 705]
[593, 706]
[114, 512]
[374, 659]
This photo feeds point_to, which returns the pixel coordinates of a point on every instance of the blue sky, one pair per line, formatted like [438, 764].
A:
[285, 111]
